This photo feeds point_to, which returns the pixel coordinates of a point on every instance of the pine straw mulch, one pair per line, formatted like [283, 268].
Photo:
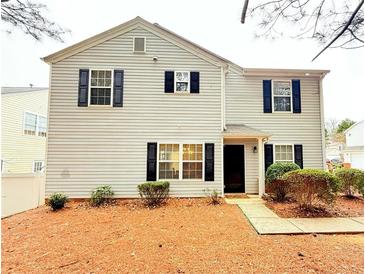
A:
[183, 236]
[343, 207]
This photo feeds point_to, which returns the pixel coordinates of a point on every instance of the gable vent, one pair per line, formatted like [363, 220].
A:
[139, 44]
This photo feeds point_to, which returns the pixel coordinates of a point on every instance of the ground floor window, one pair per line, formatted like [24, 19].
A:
[38, 166]
[284, 153]
[180, 161]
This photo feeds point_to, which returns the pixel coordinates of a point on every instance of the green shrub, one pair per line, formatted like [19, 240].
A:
[309, 186]
[154, 193]
[57, 201]
[274, 182]
[351, 179]
[213, 196]
[101, 195]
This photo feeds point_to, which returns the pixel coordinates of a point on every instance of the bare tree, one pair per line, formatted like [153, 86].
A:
[29, 18]
[337, 24]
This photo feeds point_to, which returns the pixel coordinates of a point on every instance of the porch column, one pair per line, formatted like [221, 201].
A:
[261, 167]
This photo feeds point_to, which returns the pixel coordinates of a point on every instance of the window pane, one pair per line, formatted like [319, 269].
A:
[169, 152]
[169, 170]
[182, 76]
[108, 74]
[284, 153]
[282, 88]
[94, 73]
[100, 96]
[192, 152]
[192, 170]
[30, 123]
[181, 86]
[282, 103]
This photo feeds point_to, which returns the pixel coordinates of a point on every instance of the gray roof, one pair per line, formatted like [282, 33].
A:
[7, 90]
[241, 130]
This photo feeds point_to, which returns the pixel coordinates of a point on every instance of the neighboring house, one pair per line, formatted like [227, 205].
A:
[23, 129]
[139, 102]
[334, 150]
[354, 149]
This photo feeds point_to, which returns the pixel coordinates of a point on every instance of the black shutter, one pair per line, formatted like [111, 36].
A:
[269, 158]
[118, 88]
[169, 82]
[151, 161]
[194, 82]
[297, 104]
[298, 155]
[209, 162]
[267, 96]
[83, 87]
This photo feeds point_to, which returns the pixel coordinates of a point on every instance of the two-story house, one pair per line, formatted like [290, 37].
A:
[140, 103]
[23, 129]
[353, 151]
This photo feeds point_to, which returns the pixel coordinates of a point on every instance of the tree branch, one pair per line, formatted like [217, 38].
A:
[342, 31]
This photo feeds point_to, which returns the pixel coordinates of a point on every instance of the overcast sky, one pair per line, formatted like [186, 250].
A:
[214, 25]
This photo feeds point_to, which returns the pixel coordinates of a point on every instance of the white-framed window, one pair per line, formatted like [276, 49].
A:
[192, 161]
[30, 123]
[284, 153]
[282, 96]
[169, 158]
[139, 44]
[38, 166]
[35, 124]
[182, 81]
[42, 126]
[180, 161]
[100, 91]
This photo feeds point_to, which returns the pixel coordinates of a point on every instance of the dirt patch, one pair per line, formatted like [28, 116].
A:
[184, 236]
[343, 207]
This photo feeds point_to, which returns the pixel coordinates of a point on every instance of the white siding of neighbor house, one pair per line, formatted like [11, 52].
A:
[98, 145]
[19, 150]
[244, 104]
[355, 135]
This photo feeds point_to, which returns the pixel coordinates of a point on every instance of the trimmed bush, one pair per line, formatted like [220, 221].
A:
[213, 196]
[274, 182]
[351, 179]
[309, 186]
[57, 201]
[154, 193]
[101, 195]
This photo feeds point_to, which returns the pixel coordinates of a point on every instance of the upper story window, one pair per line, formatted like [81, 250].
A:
[101, 87]
[35, 124]
[139, 44]
[284, 153]
[182, 81]
[38, 166]
[42, 126]
[282, 95]
[30, 123]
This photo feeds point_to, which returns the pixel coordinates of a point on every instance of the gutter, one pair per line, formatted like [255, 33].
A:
[224, 71]
[322, 119]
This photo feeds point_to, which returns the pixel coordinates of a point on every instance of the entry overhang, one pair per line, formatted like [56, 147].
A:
[243, 131]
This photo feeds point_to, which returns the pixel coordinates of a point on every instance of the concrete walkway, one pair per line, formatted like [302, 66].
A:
[265, 221]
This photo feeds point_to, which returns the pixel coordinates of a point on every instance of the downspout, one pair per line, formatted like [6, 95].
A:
[224, 70]
[322, 121]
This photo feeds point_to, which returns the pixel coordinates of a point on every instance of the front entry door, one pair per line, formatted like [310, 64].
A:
[234, 168]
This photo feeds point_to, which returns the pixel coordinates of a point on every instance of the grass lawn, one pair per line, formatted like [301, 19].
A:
[182, 237]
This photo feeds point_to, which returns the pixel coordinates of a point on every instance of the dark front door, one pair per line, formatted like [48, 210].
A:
[234, 168]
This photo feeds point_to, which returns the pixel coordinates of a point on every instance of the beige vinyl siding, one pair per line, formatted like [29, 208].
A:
[244, 104]
[92, 146]
[19, 150]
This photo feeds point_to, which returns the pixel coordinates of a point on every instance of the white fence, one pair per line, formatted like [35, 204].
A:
[20, 192]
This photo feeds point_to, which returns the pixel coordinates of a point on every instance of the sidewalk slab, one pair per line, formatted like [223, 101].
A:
[358, 219]
[327, 225]
[265, 221]
[274, 226]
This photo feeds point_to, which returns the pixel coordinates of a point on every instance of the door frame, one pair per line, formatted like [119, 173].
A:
[244, 164]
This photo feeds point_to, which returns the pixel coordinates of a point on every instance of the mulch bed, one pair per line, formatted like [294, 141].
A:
[183, 236]
[343, 207]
